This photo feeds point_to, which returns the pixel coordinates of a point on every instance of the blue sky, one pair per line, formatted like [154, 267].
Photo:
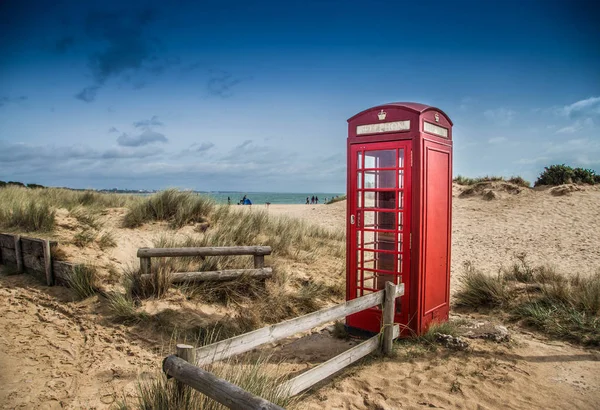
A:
[254, 96]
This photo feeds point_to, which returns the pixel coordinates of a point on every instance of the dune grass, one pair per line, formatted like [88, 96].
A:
[177, 207]
[34, 210]
[517, 180]
[249, 374]
[565, 306]
[83, 281]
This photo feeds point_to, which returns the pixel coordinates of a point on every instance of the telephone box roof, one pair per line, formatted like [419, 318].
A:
[411, 106]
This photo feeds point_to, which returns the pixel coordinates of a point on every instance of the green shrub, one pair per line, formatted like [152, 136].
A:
[584, 176]
[564, 174]
[336, 199]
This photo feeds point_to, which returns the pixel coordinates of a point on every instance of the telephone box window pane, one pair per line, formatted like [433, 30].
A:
[399, 264]
[385, 200]
[371, 179]
[401, 179]
[359, 180]
[380, 179]
[359, 161]
[401, 158]
[369, 200]
[368, 217]
[401, 200]
[369, 260]
[380, 159]
[369, 240]
[359, 199]
[379, 220]
[400, 221]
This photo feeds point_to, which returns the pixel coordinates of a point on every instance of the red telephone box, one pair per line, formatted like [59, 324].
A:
[399, 212]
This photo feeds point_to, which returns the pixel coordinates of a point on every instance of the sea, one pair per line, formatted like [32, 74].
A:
[272, 197]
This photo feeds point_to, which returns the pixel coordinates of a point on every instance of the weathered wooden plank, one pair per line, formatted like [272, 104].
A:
[32, 246]
[313, 376]
[259, 261]
[8, 255]
[208, 251]
[48, 264]
[248, 341]
[145, 266]
[218, 275]
[228, 394]
[62, 271]
[18, 254]
[33, 263]
[389, 304]
[7, 241]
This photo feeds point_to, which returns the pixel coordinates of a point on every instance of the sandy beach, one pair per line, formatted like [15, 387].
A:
[57, 353]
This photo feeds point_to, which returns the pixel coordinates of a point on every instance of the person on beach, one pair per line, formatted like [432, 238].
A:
[307, 203]
[228, 201]
[316, 199]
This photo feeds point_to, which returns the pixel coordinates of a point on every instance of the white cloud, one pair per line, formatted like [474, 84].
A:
[500, 116]
[497, 140]
[587, 108]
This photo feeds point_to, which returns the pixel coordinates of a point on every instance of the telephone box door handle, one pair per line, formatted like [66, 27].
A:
[351, 219]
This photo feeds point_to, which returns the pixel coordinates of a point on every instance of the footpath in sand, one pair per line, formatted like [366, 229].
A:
[54, 354]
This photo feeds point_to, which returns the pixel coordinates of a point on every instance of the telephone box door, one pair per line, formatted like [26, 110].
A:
[378, 226]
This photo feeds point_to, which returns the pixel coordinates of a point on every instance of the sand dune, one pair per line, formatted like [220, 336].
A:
[60, 354]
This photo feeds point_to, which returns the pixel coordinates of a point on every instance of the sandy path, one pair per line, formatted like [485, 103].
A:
[527, 374]
[55, 355]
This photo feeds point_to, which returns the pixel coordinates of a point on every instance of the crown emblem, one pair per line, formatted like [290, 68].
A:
[382, 114]
[437, 117]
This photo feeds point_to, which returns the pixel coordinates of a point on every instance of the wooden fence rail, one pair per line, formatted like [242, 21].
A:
[258, 252]
[214, 388]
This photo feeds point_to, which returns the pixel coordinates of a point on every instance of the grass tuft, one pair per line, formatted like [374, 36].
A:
[177, 207]
[142, 287]
[123, 309]
[563, 306]
[107, 240]
[478, 289]
[249, 374]
[83, 281]
[84, 238]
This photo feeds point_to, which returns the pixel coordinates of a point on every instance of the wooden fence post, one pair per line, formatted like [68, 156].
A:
[259, 261]
[48, 263]
[388, 317]
[18, 253]
[187, 353]
[145, 266]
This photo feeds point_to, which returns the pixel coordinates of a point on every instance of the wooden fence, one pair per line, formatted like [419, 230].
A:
[259, 271]
[34, 256]
[183, 365]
